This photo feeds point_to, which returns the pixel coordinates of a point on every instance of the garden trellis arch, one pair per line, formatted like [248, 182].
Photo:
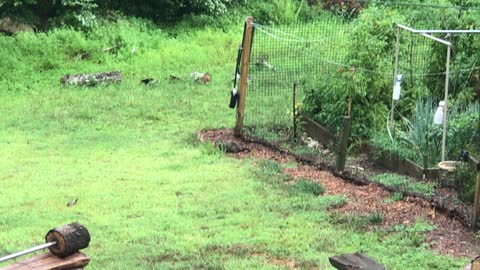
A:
[429, 34]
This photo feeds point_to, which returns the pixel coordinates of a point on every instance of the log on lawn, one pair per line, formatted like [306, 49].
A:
[92, 79]
[356, 261]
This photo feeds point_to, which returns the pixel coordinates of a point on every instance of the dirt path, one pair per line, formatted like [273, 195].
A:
[449, 237]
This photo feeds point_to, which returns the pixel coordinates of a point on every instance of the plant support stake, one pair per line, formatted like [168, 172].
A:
[294, 110]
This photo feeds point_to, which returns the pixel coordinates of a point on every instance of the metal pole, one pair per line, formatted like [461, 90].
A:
[21, 253]
[425, 34]
[445, 109]
[395, 73]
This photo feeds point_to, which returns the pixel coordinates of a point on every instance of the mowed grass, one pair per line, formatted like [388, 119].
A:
[151, 195]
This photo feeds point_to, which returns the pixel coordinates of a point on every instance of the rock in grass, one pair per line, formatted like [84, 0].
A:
[228, 146]
[355, 261]
[92, 79]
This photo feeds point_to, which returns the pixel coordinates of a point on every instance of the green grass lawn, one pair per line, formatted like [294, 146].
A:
[151, 195]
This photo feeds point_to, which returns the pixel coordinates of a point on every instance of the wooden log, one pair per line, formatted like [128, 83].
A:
[343, 144]
[48, 261]
[357, 261]
[245, 63]
[92, 79]
[70, 239]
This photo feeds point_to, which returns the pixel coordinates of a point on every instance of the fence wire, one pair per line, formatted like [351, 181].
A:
[282, 56]
[305, 53]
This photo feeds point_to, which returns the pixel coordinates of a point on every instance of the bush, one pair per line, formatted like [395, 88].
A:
[465, 180]
[463, 131]
[369, 52]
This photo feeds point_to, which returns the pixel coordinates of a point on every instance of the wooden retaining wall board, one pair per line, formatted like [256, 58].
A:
[319, 132]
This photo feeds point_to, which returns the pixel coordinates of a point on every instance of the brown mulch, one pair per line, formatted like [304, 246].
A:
[449, 237]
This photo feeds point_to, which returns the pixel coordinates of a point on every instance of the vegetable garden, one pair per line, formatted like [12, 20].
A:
[346, 65]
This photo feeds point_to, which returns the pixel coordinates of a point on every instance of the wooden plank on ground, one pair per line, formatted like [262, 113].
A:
[48, 261]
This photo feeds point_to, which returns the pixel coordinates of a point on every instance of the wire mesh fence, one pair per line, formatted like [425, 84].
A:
[319, 53]
[282, 57]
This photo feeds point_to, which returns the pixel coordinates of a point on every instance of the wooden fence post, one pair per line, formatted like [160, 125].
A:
[476, 202]
[343, 144]
[242, 91]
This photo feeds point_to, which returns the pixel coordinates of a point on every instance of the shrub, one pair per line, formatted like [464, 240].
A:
[465, 179]
[366, 82]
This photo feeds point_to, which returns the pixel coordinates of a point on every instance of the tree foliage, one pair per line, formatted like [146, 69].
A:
[81, 13]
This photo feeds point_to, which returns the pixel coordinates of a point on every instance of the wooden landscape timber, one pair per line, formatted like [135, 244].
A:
[48, 261]
[319, 132]
[92, 79]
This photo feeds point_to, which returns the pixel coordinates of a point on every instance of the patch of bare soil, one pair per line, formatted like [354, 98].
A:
[449, 237]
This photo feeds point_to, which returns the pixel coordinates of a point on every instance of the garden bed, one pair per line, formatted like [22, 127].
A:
[443, 197]
[366, 198]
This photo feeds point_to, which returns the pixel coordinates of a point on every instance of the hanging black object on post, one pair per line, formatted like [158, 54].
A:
[234, 93]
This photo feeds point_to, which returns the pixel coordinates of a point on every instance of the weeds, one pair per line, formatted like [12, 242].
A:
[357, 222]
[307, 187]
[404, 184]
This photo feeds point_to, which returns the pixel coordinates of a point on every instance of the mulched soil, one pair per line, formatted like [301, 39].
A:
[450, 236]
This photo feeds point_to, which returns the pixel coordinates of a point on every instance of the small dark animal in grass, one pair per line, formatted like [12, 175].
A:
[229, 146]
[174, 78]
[147, 81]
[72, 203]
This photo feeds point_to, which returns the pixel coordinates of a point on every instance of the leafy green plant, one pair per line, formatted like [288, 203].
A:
[395, 197]
[465, 180]
[278, 11]
[396, 149]
[464, 131]
[421, 133]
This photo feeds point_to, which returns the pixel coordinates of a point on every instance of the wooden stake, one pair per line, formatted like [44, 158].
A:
[349, 106]
[242, 91]
[476, 202]
[294, 111]
[343, 144]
